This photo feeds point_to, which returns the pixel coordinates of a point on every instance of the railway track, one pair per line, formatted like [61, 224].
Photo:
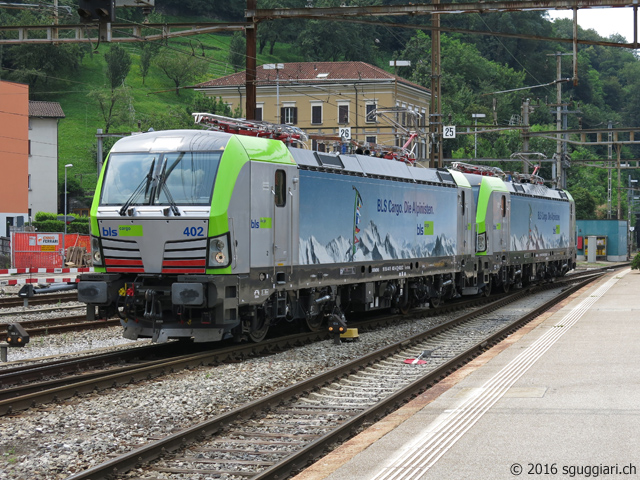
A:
[43, 299]
[50, 326]
[272, 437]
[30, 385]
[71, 323]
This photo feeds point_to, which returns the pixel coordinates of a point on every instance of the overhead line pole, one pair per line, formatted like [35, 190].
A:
[435, 105]
[609, 182]
[559, 120]
[251, 61]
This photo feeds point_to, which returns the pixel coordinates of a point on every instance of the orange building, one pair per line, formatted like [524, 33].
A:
[14, 155]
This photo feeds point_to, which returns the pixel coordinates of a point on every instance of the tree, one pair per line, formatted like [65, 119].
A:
[118, 65]
[113, 105]
[585, 204]
[217, 9]
[203, 103]
[237, 50]
[169, 119]
[148, 50]
[321, 40]
[181, 69]
[465, 75]
[39, 64]
[283, 30]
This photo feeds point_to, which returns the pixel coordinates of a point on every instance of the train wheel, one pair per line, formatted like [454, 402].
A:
[259, 335]
[258, 330]
[404, 307]
[506, 286]
[487, 288]
[314, 324]
[435, 302]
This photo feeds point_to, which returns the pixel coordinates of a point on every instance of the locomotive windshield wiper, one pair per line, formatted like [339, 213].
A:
[144, 184]
[161, 183]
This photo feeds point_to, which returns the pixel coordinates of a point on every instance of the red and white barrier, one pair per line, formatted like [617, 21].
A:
[12, 271]
[22, 281]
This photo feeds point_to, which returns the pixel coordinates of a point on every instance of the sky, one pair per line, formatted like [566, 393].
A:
[605, 21]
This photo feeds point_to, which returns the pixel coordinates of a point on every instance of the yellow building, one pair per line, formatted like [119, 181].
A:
[330, 100]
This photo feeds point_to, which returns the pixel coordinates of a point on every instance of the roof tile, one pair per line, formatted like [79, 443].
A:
[45, 109]
[308, 72]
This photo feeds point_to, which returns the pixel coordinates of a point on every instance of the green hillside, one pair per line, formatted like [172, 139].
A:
[480, 74]
[153, 104]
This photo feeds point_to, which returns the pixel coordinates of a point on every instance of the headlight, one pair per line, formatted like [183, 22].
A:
[95, 251]
[481, 242]
[218, 252]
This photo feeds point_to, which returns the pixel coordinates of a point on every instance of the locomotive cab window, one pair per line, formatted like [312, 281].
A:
[280, 188]
[476, 193]
[178, 178]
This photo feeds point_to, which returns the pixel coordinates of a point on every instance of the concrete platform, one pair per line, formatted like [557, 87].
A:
[558, 399]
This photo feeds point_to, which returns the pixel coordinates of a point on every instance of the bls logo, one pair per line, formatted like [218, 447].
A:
[109, 232]
[255, 223]
[425, 228]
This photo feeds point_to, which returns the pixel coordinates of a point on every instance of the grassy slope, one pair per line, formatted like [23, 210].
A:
[82, 117]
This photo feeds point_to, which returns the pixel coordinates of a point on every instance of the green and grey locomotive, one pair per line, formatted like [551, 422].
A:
[208, 235]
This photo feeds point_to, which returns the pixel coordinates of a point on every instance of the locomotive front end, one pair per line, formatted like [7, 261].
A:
[161, 242]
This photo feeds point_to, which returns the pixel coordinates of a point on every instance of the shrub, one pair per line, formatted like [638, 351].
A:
[58, 226]
[44, 216]
[635, 263]
[48, 225]
[79, 227]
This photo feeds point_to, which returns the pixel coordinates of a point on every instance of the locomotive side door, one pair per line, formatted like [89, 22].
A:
[501, 226]
[272, 208]
[467, 221]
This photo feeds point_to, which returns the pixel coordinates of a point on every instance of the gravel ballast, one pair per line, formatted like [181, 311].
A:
[55, 441]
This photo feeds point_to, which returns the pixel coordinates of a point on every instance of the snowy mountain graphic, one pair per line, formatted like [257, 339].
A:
[538, 241]
[372, 246]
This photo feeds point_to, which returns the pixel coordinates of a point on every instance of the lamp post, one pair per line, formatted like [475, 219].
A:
[277, 67]
[630, 228]
[475, 117]
[64, 235]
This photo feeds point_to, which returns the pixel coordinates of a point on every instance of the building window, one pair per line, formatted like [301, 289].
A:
[370, 114]
[316, 114]
[259, 113]
[29, 181]
[371, 140]
[29, 147]
[343, 114]
[289, 114]
[317, 147]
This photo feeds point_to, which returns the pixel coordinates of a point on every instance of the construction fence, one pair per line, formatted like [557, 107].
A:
[46, 250]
